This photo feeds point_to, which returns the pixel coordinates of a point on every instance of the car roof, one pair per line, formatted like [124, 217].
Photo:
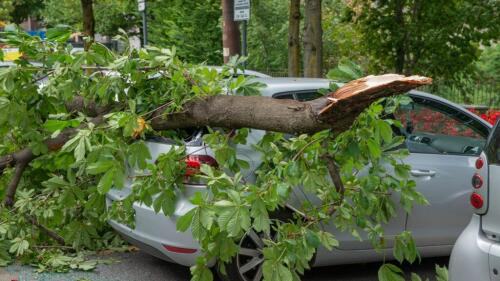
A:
[246, 72]
[279, 85]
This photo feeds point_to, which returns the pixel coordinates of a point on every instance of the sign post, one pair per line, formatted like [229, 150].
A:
[141, 6]
[242, 13]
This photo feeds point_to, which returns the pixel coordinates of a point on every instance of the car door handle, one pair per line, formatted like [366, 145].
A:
[422, 173]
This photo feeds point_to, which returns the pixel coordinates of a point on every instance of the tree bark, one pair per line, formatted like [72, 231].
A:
[88, 21]
[294, 39]
[230, 32]
[313, 39]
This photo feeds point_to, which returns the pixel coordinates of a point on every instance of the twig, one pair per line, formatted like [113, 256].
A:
[159, 107]
[52, 234]
[304, 148]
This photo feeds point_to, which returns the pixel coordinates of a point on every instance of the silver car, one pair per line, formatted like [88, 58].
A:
[476, 255]
[444, 140]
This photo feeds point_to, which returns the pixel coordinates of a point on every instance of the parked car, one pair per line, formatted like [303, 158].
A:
[476, 254]
[443, 138]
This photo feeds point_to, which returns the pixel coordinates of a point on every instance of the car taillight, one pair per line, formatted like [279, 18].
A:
[179, 250]
[476, 200]
[194, 162]
[477, 181]
[479, 163]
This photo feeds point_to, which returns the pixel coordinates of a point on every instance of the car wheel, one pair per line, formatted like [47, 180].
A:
[247, 264]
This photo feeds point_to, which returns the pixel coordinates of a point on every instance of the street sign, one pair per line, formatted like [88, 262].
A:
[241, 10]
[141, 5]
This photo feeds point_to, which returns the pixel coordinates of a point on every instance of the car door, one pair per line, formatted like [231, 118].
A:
[347, 241]
[444, 142]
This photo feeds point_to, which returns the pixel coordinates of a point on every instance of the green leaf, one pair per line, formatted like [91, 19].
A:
[106, 181]
[385, 131]
[260, 216]
[374, 148]
[19, 246]
[390, 272]
[441, 273]
[276, 272]
[59, 125]
[184, 221]
[100, 167]
[415, 277]
[58, 34]
[138, 154]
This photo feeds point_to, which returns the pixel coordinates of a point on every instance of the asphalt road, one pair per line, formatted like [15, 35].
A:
[137, 266]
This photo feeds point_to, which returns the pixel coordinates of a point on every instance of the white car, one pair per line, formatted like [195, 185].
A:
[476, 255]
[444, 140]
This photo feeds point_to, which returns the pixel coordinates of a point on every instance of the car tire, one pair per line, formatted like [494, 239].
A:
[247, 264]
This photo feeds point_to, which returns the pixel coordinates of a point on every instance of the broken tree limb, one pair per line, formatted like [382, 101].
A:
[336, 111]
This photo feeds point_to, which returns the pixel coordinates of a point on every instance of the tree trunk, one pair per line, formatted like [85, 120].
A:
[293, 39]
[313, 41]
[88, 21]
[230, 32]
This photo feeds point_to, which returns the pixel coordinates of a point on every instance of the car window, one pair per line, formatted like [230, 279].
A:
[283, 96]
[307, 96]
[433, 127]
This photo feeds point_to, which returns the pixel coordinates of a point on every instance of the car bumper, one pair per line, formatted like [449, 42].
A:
[470, 258]
[153, 231]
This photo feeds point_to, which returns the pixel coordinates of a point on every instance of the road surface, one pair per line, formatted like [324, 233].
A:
[138, 266]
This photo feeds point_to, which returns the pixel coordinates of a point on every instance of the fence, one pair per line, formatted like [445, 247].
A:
[482, 94]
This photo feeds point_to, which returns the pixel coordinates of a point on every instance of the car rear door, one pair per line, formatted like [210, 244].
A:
[444, 142]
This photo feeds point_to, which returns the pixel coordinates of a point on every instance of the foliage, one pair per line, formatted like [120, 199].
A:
[110, 15]
[193, 26]
[268, 35]
[432, 37]
[6, 8]
[65, 190]
[22, 9]
[489, 64]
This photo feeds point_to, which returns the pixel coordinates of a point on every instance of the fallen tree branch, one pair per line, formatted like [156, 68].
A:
[336, 111]
[21, 159]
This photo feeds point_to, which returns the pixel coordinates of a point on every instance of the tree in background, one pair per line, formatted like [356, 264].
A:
[489, 64]
[313, 39]
[431, 37]
[191, 25]
[110, 15]
[267, 35]
[6, 7]
[341, 39]
[18, 11]
[88, 20]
